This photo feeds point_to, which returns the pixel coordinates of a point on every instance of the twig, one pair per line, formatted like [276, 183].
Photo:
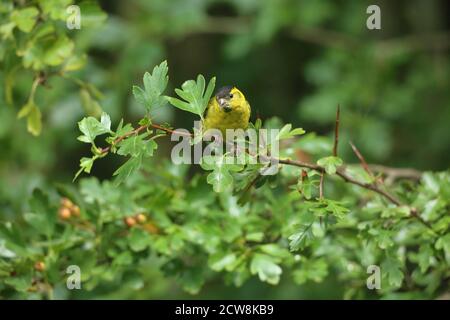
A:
[143, 127]
[336, 131]
[126, 135]
[186, 134]
[415, 214]
[301, 164]
[341, 173]
[362, 160]
[393, 174]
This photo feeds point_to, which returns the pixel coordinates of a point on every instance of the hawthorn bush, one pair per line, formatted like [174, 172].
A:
[316, 226]
[307, 221]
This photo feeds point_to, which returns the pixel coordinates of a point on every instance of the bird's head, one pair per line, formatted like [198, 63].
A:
[229, 97]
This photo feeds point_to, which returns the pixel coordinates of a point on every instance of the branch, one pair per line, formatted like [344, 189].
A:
[143, 127]
[297, 163]
[341, 173]
[362, 160]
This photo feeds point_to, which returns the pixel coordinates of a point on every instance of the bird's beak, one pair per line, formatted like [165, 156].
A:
[223, 103]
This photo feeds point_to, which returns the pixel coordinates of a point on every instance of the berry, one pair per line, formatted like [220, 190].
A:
[75, 210]
[39, 266]
[130, 221]
[64, 213]
[141, 218]
[65, 202]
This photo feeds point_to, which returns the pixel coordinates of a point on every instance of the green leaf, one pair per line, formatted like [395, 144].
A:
[59, 51]
[315, 270]
[91, 128]
[443, 243]
[274, 250]
[330, 164]
[194, 95]
[85, 166]
[55, 8]
[138, 239]
[90, 105]
[136, 146]
[192, 279]
[5, 252]
[19, 283]
[430, 182]
[255, 236]
[26, 109]
[286, 132]
[6, 30]
[301, 238]
[25, 19]
[305, 186]
[123, 129]
[105, 122]
[335, 208]
[127, 169]
[392, 268]
[395, 211]
[266, 268]
[219, 262]
[384, 238]
[74, 63]
[41, 217]
[123, 259]
[220, 177]
[425, 257]
[154, 84]
[34, 121]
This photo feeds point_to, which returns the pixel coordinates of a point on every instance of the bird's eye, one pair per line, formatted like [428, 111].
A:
[231, 95]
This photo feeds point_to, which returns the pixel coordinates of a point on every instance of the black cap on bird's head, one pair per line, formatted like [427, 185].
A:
[223, 97]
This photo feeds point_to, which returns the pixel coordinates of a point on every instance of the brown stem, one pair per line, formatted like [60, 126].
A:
[126, 135]
[362, 160]
[341, 173]
[139, 129]
[186, 134]
[301, 164]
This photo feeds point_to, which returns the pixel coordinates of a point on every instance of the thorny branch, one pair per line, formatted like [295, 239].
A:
[362, 160]
[341, 171]
[141, 128]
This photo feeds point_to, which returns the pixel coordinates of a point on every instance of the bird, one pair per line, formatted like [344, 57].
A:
[227, 109]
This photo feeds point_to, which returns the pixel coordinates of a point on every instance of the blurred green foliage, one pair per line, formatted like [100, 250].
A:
[294, 59]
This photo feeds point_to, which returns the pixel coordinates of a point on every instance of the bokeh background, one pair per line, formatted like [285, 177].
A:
[294, 59]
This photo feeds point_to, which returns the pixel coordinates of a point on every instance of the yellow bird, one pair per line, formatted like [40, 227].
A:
[228, 109]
